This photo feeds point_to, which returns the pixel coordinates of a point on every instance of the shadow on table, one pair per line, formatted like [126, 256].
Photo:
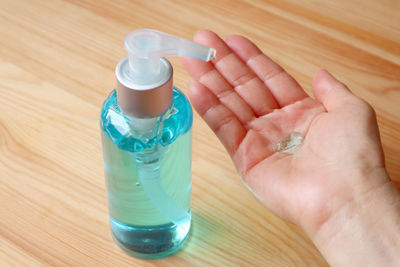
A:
[205, 232]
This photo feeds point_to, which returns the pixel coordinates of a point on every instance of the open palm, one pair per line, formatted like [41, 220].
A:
[252, 104]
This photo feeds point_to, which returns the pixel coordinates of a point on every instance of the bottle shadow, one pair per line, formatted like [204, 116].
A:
[203, 230]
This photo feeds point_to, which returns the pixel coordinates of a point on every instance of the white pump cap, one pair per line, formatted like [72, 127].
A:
[144, 87]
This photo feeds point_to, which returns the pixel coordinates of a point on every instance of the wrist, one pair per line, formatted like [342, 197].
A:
[365, 231]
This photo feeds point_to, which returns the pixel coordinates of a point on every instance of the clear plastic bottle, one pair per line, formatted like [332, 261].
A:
[137, 226]
[146, 136]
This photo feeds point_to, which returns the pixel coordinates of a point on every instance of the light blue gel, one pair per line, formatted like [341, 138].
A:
[137, 224]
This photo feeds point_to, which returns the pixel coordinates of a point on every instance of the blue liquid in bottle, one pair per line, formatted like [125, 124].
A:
[137, 225]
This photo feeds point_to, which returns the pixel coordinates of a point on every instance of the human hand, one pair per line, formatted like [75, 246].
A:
[252, 104]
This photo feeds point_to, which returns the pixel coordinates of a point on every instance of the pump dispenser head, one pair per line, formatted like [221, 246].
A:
[144, 87]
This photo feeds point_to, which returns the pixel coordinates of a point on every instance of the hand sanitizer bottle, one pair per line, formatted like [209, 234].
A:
[146, 135]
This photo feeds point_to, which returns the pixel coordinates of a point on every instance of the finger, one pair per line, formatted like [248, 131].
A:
[240, 77]
[207, 75]
[283, 87]
[330, 92]
[219, 118]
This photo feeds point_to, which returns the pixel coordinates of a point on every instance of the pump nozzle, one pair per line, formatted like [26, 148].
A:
[146, 47]
[144, 87]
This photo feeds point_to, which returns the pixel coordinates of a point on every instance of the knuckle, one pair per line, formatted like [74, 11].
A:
[272, 73]
[243, 79]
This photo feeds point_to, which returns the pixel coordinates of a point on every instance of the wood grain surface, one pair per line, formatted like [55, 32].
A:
[57, 61]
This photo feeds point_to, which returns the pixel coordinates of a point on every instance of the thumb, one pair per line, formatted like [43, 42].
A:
[330, 92]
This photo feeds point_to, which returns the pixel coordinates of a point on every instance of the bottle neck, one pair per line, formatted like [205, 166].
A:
[143, 125]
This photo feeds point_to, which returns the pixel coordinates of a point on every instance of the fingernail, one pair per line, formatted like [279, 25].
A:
[327, 81]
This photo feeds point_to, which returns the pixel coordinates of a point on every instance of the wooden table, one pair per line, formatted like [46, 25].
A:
[57, 61]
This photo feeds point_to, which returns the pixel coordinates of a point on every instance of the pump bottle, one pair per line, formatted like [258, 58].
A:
[146, 136]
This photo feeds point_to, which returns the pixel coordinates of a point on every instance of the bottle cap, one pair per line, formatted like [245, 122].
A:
[144, 78]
